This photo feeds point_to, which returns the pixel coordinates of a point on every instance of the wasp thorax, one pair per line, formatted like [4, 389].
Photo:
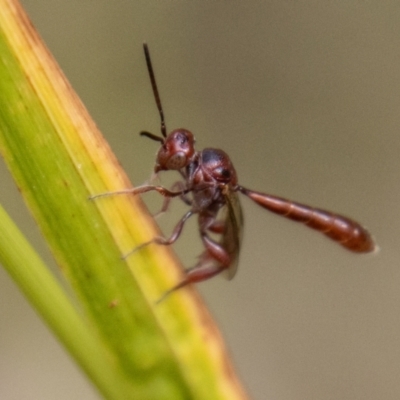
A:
[176, 152]
[216, 163]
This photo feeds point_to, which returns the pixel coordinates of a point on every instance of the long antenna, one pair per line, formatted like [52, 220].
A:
[155, 90]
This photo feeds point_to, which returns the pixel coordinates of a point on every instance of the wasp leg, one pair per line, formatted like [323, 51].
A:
[143, 189]
[179, 187]
[212, 262]
[161, 240]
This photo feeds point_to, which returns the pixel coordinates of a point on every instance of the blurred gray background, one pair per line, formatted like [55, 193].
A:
[305, 97]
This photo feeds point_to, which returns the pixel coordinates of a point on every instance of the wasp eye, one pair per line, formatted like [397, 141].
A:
[177, 161]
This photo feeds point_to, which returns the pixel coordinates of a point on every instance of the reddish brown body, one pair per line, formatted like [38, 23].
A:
[210, 187]
[347, 232]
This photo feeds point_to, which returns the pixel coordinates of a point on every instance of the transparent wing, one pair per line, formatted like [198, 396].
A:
[232, 236]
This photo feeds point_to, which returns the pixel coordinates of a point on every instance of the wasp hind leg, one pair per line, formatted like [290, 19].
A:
[212, 262]
[203, 270]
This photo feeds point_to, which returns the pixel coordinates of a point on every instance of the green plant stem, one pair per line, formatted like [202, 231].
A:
[48, 298]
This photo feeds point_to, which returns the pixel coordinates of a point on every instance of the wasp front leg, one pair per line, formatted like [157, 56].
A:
[176, 187]
[143, 189]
